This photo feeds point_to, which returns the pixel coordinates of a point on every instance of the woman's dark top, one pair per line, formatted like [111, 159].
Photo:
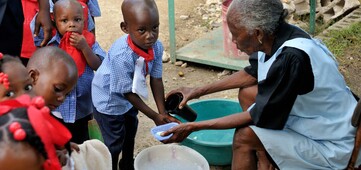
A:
[290, 75]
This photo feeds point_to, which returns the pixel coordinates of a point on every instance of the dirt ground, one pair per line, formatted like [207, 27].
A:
[108, 30]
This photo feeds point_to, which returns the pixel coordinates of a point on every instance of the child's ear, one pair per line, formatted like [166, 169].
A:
[34, 75]
[124, 27]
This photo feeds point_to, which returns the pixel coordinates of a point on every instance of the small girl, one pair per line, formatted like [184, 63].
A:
[29, 135]
[14, 78]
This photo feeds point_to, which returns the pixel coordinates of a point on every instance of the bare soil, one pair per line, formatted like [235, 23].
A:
[108, 30]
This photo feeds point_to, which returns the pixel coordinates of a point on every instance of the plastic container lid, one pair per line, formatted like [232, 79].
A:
[157, 131]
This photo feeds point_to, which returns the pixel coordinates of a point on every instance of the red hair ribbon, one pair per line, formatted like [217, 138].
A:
[51, 132]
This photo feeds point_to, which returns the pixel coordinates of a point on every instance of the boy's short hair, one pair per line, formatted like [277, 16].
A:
[129, 5]
[65, 2]
[46, 56]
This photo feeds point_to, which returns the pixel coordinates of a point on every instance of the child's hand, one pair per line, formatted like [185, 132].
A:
[74, 147]
[165, 118]
[78, 41]
[62, 156]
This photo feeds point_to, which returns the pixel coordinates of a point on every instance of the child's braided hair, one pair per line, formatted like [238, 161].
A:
[20, 115]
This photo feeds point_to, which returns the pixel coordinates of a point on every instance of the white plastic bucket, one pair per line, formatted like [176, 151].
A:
[170, 157]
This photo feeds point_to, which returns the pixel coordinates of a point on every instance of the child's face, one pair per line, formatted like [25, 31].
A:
[69, 19]
[20, 81]
[143, 28]
[20, 156]
[54, 84]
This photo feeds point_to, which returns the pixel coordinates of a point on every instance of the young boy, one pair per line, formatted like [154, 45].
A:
[116, 101]
[54, 75]
[80, 44]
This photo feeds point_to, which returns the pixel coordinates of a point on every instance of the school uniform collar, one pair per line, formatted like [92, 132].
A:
[55, 39]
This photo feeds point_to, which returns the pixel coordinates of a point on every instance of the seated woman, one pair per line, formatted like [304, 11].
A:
[301, 116]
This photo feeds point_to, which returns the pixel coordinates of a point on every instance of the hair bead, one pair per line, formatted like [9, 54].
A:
[17, 131]
[14, 126]
[4, 80]
[19, 134]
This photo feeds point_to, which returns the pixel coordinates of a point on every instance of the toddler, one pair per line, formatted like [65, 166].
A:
[120, 81]
[92, 10]
[53, 74]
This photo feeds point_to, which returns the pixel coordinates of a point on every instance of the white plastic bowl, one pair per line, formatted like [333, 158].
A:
[170, 157]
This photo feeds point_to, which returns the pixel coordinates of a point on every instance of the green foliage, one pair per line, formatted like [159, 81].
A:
[341, 40]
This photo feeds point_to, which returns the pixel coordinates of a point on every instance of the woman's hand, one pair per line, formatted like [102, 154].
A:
[180, 132]
[188, 94]
[78, 41]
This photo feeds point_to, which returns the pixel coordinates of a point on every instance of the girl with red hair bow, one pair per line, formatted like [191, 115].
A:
[29, 135]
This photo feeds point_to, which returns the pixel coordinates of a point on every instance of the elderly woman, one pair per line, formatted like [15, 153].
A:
[302, 107]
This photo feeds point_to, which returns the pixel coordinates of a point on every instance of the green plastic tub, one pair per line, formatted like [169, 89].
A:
[214, 145]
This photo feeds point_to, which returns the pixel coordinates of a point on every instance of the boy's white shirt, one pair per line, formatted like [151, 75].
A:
[57, 114]
[139, 81]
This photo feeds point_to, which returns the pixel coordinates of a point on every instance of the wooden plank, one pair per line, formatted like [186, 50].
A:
[172, 40]
[208, 50]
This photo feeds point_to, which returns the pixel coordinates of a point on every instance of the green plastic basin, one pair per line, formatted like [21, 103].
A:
[214, 145]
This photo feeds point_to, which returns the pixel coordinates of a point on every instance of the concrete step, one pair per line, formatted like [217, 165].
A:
[354, 16]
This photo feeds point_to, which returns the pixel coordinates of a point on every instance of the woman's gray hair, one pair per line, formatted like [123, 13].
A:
[251, 14]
